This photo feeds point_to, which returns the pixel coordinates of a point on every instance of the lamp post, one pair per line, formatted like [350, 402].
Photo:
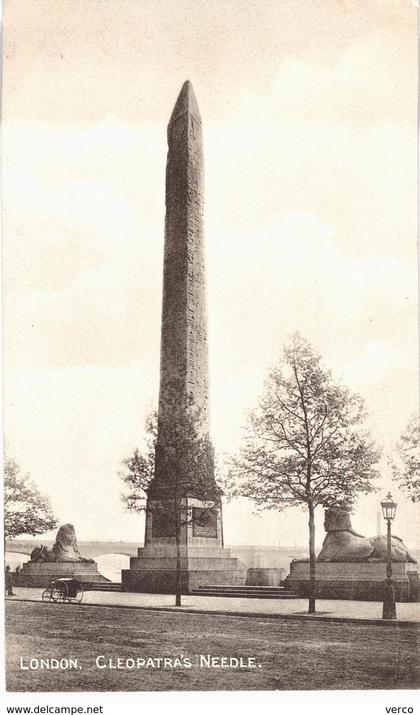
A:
[389, 508]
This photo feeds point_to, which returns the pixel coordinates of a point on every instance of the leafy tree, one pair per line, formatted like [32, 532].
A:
[303, 444]
[138, 469]
[185, 459]
[406, 461]
[26, 510]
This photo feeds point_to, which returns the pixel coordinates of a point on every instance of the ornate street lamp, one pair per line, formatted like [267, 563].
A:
[389, 508]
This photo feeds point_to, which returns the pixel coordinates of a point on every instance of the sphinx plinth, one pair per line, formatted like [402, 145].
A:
[40, 575]
[62, 560]
[351, 566]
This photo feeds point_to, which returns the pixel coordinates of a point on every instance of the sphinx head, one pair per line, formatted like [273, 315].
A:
[337, 519]
[66, 535]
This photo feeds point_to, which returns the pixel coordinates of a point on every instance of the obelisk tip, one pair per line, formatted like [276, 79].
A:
[186, 103]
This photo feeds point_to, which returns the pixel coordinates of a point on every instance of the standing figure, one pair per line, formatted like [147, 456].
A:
[8, 581]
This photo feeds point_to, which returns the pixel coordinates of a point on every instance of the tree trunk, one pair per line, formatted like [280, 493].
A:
[178, 588]
[311, 604]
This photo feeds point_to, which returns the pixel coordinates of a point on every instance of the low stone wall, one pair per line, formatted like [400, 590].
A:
[264, 577]
[358, 581]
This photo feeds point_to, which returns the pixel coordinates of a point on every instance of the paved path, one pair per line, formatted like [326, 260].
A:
[348, 610]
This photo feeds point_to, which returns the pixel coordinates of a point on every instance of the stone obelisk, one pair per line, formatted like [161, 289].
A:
[183, 352]
[183, 377]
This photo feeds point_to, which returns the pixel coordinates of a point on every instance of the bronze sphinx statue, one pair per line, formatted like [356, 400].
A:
[343, 544]
[65, 548]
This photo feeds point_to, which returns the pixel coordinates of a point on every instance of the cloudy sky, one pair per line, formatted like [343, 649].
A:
[309, 113]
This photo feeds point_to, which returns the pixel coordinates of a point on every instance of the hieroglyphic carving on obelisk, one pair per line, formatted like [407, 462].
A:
[184, 353]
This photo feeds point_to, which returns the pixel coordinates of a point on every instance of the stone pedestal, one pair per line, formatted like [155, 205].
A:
[204, 561]
[358, 581]
[40, 575]
[264, 577]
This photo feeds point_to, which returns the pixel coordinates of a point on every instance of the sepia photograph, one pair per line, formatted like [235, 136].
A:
[211, 367]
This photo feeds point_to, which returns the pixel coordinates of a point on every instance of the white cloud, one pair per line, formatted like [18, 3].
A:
[367, 83]
[289, 274]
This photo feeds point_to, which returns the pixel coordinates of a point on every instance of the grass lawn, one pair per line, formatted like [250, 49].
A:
[290, 655]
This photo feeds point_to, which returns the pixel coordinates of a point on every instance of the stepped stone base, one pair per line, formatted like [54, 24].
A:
[40, 575]
[154, 569]
[244, 592]
[357, 581]
[108, 586]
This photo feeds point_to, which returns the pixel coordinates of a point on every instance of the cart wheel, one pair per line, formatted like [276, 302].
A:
[46, 595]
[79, 596]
